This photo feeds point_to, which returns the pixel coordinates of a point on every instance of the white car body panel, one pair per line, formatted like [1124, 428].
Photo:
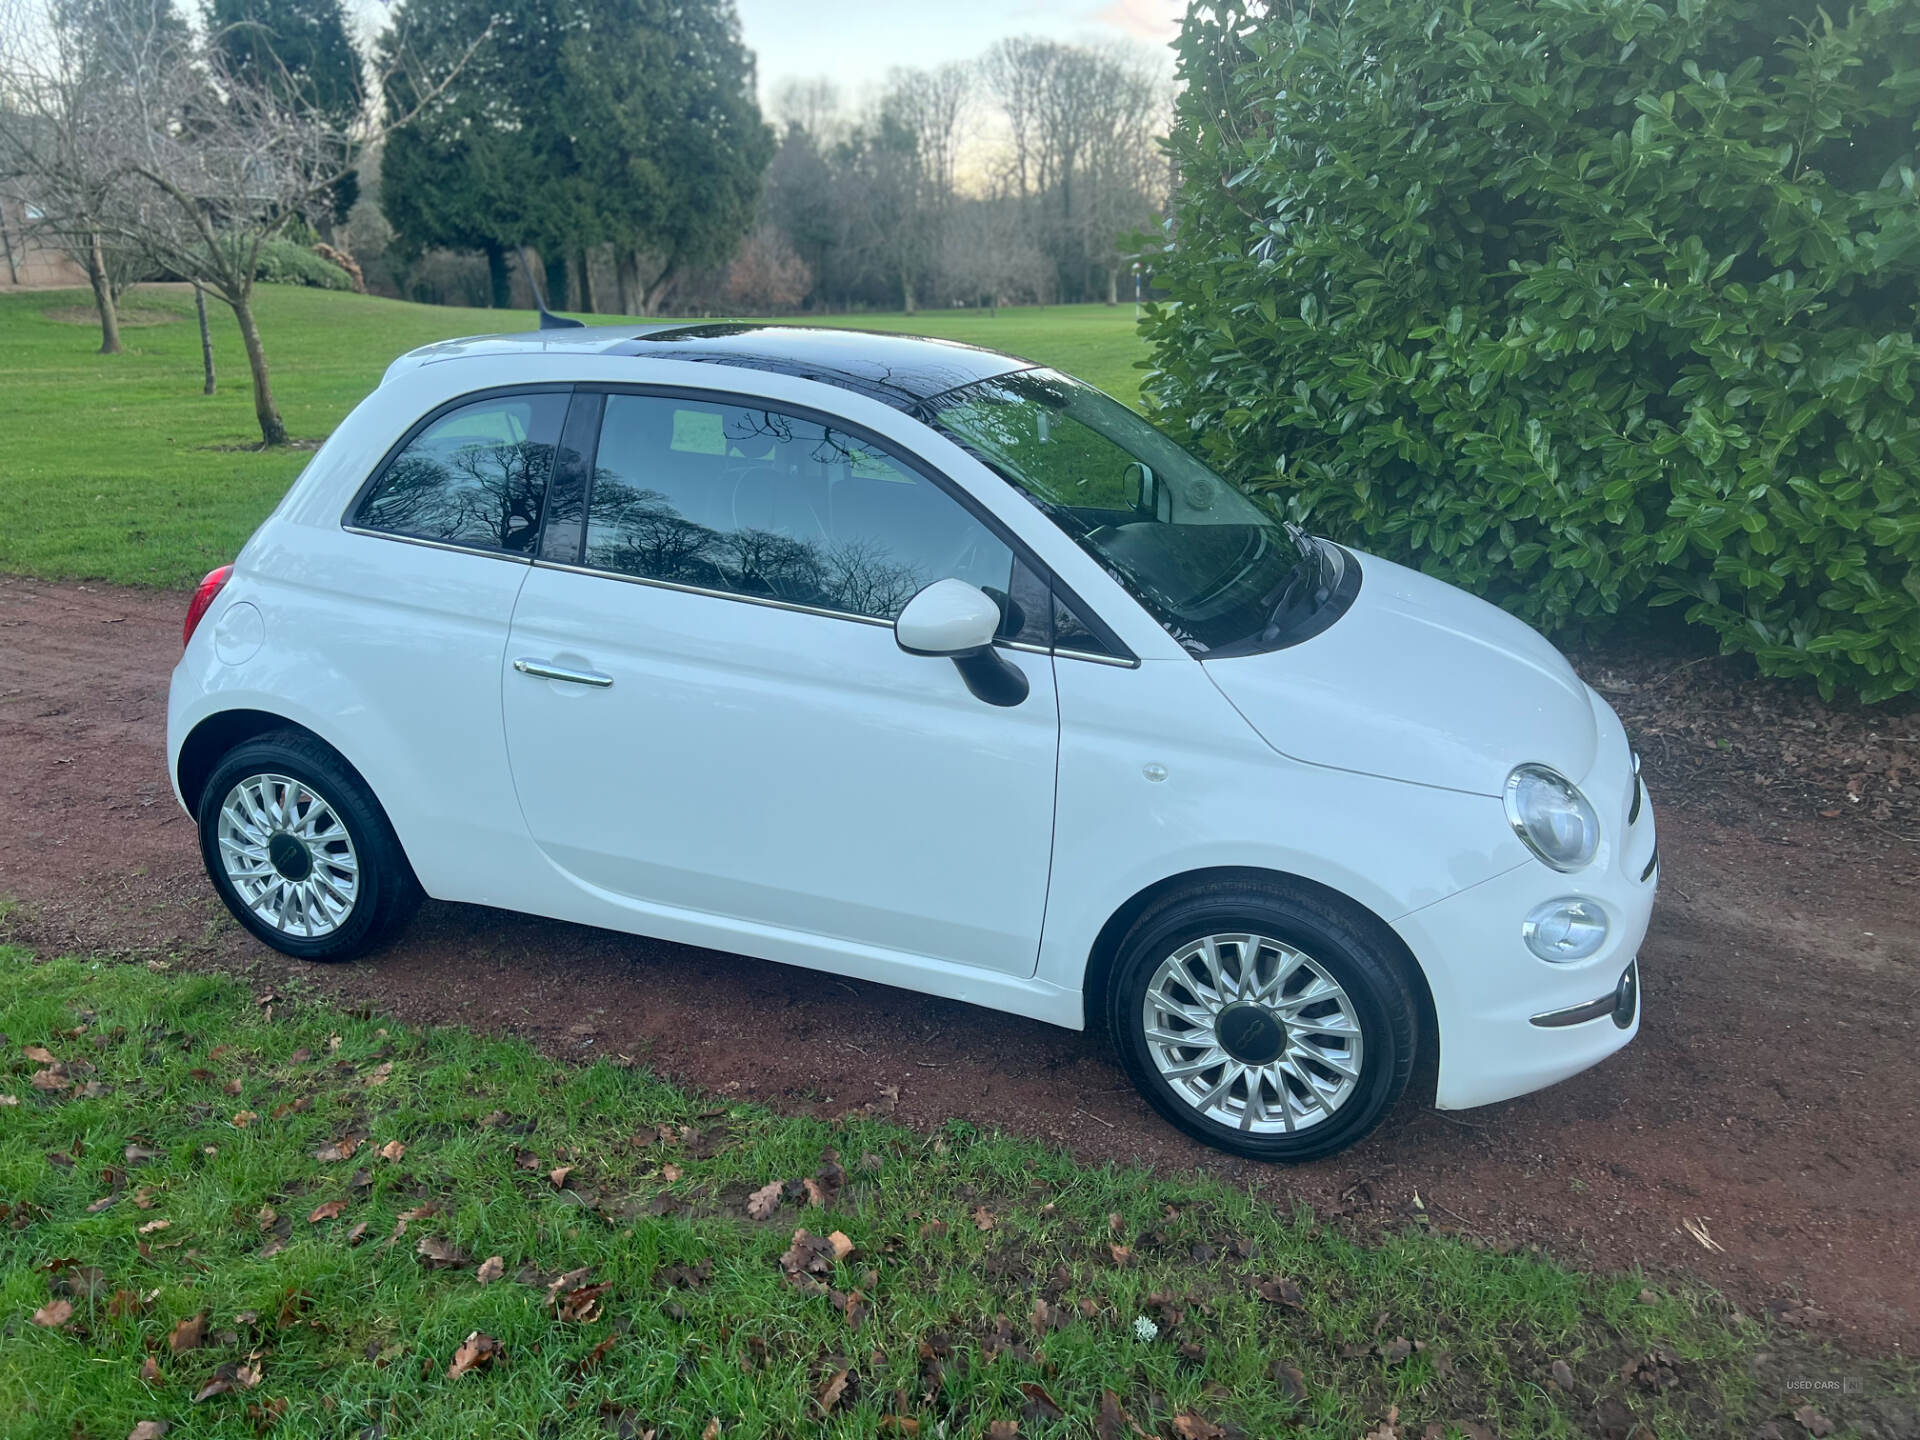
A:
[895, 828]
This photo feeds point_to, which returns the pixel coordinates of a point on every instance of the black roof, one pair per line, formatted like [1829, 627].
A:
[899, 370]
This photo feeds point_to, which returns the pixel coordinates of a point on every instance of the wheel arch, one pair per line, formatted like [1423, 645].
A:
[1106, 945]
[217, 734]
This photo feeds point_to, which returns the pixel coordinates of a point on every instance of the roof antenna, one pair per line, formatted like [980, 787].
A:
[548, 320]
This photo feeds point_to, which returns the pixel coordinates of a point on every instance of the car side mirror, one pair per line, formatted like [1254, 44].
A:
[954, 619]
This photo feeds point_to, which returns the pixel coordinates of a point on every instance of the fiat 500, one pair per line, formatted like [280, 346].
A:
[925, 665]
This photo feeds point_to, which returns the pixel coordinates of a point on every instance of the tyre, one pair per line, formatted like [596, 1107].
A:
[1262, 1021]
[300, 850]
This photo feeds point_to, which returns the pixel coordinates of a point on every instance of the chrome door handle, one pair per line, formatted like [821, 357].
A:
[544, 670]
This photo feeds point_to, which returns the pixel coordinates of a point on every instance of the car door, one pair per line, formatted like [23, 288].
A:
[707, 715]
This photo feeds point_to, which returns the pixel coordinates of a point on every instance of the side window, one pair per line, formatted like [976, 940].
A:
[774, 507]
[476, 476]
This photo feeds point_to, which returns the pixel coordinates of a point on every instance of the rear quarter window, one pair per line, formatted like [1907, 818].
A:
[476, 476]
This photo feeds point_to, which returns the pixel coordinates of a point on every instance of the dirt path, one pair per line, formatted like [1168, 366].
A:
[1773, 1096]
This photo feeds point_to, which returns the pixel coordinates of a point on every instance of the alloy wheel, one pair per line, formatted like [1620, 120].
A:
[288, 856]
[1253, 1034]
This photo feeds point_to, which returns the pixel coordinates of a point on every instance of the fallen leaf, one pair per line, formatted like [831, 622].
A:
[263, 1417]
[380, 1073]
[1389, 1428]
[763, 1202]
[491, 1269]
[905, 1425]
[1280, 1291]
[1189, 1426]
[48, 1080]
[54, 1314]
[842, 1246]
[829, 1393]
[1289, 1379]
[1113, 1423]
[39, 1054]
[559, 1176]
[1396, 1350]
[1003, 1430]
[1040, 1405]
[148, 1430]
[1562, 1375]
[475, 1351]
[140, 1154]
[670, 1173]
[712, 1432]
[596, 1355]
[243, 1118]
[1122, 1255]
[329, 1211]
[439, 1254]
[150, 1371]
[341, 1149]
[357, 1233]
[189, 1334]
[153, 1227]
[9, 1099]
[392, 1150]
[1812, 1421]
[226, 1378]
[983, 1217]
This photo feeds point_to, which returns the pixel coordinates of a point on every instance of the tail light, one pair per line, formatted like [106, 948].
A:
[203, 598]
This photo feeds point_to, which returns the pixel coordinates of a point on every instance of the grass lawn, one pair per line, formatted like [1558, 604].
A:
[234, 1212]
[117, 468]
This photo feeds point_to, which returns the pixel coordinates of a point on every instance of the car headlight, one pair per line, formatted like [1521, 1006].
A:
[1548, 812]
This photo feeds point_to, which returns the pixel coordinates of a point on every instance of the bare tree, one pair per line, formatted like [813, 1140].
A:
[934, 105]
[219, 165]
[67, 74]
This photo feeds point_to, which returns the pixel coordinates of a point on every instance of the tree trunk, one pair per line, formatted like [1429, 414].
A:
[273, 430]
[583, 268]
[652, 297]
[1113, 285]
[499, 281]
[206, 336]
[626, 278]
[906, 291]
[103, 297]
[556, 272]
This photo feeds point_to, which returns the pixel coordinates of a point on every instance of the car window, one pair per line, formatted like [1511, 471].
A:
[774, 506]
[476, 476]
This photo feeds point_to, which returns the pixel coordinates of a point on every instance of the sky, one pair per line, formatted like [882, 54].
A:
[855, 42]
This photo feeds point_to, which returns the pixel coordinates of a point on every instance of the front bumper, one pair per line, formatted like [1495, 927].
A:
[1510, 1022]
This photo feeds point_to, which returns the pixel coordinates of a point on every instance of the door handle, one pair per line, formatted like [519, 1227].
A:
[545, 670]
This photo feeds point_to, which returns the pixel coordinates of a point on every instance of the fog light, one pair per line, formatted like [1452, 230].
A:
[1564, 930]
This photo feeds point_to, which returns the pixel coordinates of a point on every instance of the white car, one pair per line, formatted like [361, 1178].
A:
[920, 664]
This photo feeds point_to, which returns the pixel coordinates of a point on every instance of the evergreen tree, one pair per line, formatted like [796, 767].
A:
[302, 48]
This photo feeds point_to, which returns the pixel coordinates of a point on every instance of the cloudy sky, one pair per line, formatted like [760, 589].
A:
[854, 42]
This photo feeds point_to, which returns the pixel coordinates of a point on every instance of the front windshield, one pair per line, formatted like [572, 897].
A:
[1209, 564]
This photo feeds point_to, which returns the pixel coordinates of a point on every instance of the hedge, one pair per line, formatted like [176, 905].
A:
[1585, 305]
[287, 262]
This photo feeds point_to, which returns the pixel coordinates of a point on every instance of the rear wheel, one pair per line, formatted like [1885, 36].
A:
[300, 850]
[1263, 1021]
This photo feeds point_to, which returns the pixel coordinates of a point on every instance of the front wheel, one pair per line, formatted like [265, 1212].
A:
[1262, 1021]
[300, 850]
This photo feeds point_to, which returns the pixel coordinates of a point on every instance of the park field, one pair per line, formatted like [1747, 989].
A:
[118, 468]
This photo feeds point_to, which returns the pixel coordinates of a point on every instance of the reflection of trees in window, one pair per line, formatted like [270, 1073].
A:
[478, 495]
[638, 532]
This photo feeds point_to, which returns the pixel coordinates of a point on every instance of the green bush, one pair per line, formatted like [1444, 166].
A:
[1585, 305]
[286, 262]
